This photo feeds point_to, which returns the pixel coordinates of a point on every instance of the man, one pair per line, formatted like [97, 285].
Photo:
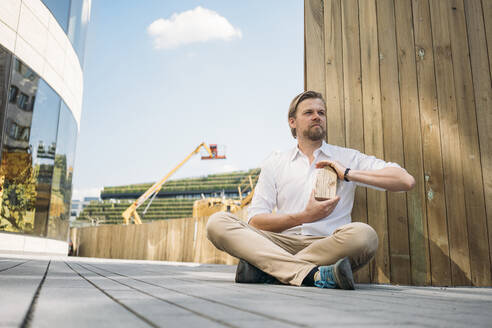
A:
[305, 241]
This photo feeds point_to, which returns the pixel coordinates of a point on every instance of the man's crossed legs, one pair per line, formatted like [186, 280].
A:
[290, 258]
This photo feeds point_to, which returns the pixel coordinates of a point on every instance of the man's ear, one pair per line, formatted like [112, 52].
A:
[292, 122]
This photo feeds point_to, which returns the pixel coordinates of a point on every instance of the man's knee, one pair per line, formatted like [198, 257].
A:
[214, 224]
[365, 238]
[217, 225]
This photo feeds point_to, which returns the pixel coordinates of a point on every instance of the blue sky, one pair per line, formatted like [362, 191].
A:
[146, 108]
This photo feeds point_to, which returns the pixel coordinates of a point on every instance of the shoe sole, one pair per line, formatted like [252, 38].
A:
[343, 274]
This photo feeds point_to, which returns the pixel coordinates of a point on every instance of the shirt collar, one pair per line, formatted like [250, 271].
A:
[325, 149]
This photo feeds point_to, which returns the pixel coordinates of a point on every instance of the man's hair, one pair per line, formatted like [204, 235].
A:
[297, 100]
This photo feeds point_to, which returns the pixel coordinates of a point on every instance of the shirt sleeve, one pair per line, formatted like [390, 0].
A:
[265, 196]
[365, 162]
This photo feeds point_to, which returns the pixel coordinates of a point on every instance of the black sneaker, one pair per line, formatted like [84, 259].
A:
[249, 274]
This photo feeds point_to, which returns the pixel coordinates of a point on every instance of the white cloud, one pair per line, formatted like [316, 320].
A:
[196, 25]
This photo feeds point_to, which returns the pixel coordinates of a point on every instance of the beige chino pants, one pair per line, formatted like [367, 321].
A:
[289, 258]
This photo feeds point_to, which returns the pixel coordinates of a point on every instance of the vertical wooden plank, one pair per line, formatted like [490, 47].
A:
[141, 240]
[148, 249]
[393, 141]
[109, 241]
[171, 241]
[116, 243]
[208, 252]
[482, 87]
[92, 242]
[127, 242]
[145, 236]
[451, 145]
[162, 240]
[80, 242]
[98, 249]
[335, 133]
[204, 255]
[103, 241]
[431, 142]
[114, 239]
[189, 230]
[74, 238]
[131, 241]
[153, 241]
[315, 51]
[354, 119]
[487, 16]
[136, 241]
[83, 246]
[181, 238]
[475, 218]
[373, 139]
[412, 145]
[174, 240]
[123, 251]
[200, 229]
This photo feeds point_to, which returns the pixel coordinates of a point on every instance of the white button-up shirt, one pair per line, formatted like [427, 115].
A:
[287, 180]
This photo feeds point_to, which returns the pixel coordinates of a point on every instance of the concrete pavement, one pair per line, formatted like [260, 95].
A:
[40, 291]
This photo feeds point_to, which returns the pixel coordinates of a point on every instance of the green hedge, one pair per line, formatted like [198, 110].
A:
[219, 182]
[165, 208]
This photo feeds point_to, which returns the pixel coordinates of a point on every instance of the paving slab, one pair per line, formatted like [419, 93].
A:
[18, 285]
[82, 292]
[66, 299]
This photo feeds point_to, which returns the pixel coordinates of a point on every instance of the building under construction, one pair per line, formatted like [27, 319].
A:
[175, 200]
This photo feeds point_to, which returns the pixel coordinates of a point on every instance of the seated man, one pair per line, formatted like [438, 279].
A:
[306, 241]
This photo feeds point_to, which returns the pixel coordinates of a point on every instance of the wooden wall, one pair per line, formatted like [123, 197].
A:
[409, 81]
[179, 240]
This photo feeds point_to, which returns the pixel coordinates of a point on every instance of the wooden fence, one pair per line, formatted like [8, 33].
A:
[410, 81]
[180, 240]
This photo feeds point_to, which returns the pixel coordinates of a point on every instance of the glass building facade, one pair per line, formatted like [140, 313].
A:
[73, 17]
[38, 134]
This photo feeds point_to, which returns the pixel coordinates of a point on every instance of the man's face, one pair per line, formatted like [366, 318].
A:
[310, 119]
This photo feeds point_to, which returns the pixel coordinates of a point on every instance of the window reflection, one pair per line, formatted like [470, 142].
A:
[16, 171]
[5, 59]
[80, 12]
[28, 152]
[61, 188]
[73, 17]
[43, 147]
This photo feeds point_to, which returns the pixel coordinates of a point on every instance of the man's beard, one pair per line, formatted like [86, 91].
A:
[314, 133]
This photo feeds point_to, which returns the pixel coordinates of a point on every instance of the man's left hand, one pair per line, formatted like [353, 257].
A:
[339, 168]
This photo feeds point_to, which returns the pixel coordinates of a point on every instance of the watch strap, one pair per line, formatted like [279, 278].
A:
[345, 174]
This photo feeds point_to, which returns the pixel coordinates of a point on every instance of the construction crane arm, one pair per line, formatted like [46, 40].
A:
[156, 187]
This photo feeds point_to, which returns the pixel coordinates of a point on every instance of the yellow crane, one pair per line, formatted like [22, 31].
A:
[208, 206]
[131, 211]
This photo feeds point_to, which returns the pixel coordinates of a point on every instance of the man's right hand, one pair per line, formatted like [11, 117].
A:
[278, 222]
[316, 210]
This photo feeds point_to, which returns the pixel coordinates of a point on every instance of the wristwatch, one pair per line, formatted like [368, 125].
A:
[345, 174]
